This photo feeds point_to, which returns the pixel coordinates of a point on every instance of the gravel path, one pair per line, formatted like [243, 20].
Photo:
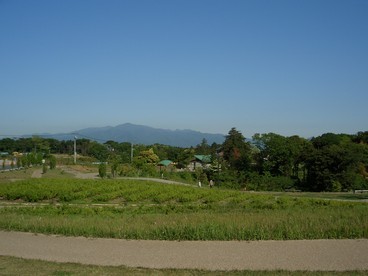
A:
[314, 255]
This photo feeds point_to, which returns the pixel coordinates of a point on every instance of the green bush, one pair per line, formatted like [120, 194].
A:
[267, 182]
[52, 160]
[102, 170]
[44, 168]
[128, 170]
[183, 175]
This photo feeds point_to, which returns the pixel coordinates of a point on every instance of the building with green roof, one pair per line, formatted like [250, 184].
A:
[200, 161]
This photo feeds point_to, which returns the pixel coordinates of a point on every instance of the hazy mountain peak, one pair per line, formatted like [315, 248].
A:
[140, 134]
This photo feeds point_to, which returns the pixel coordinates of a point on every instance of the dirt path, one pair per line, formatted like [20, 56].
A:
[37, 173]
[79, 174]
[321, 255]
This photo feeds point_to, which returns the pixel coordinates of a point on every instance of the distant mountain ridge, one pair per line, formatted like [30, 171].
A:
[139, 134]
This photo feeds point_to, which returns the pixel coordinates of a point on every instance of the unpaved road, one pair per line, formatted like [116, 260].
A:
[321, 255]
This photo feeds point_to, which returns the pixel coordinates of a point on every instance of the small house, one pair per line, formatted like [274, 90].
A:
[200, 161]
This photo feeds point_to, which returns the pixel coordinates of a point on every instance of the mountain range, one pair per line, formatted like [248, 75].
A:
[139, 134]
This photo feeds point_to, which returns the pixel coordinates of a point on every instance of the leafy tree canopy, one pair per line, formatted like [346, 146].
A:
[236, 151]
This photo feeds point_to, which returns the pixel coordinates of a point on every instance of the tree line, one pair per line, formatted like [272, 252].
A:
[330, 162]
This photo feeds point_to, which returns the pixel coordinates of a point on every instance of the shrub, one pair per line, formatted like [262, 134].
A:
[267, 182]
[102, 170]
[52, 160]
[44, 168]
[128, 170]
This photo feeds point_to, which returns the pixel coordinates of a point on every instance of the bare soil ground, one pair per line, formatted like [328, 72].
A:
[37, 173]
[312, 255]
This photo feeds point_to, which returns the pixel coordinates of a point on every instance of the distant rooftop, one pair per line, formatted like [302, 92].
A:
[203, 158]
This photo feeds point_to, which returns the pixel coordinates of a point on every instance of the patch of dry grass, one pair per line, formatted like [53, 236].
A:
[19, 266]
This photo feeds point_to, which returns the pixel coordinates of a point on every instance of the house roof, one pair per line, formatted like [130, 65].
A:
[203, 158]
[165, 163]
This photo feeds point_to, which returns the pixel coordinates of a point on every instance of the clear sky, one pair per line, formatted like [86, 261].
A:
[289, 67]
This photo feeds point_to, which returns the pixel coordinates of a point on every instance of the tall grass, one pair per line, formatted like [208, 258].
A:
[201, 225]
[144, 210]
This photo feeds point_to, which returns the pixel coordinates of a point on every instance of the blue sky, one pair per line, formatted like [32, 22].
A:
[289, 67]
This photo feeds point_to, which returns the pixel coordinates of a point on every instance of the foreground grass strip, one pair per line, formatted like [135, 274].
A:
[169, 212]
[202, 225]
[19, 266]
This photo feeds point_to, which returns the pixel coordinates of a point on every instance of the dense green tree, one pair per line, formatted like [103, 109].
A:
[147, 157]
[98, 151]
[54, 145]
[236, 151]
[185, 157]
[203, 148]
[329, 139]
[174, 154]
[146, 162]
[8, 145]
[83, 146]
[275, 154]
[279, 155]
[160, 151]
[40, 144]
[361, 137]
[66, 147]
[121, 150]
[24, 145]
[338, 164]
[299, 149]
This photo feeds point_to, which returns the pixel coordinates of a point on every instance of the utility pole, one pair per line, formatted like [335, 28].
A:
[75, 150]
[131, 153]
[218, 166]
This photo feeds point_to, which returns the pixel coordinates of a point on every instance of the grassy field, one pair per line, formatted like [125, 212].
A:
[334, 196]
[147, 210]
[23, 174]
[18, 266]
[9, 176]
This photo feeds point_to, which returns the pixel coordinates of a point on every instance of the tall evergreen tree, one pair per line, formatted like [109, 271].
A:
[236, 151]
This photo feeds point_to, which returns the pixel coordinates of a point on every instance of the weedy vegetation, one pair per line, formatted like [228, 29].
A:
[133, 209]
[18, 266]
